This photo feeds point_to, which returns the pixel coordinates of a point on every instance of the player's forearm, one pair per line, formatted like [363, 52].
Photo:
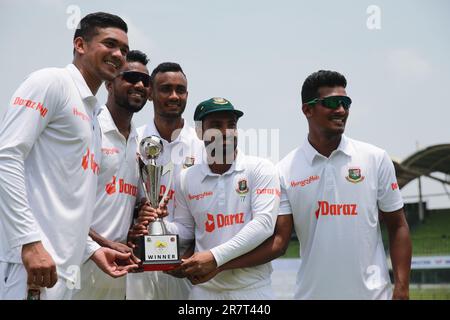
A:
[98, 238]
[248, 238]
[401, 251]
[269, 250]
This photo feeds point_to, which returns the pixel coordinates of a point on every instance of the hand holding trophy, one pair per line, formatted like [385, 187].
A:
[159, 250]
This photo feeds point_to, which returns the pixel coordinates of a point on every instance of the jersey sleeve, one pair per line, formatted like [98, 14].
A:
[91, 247]
[285, 205]
[389, 196]
[28, 113]
[265, 200]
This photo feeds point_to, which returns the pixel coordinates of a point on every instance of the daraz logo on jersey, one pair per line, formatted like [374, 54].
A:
[126, 188]
[88, 161]
[222, 220]
[163, 189]
[331, 209]
[32, 105]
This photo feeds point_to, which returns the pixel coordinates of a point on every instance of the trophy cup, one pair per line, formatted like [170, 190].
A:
[159, 250]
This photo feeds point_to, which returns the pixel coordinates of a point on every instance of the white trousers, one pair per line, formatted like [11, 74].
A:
[262, 293]
[156, 285]
[97, 285]
[13, 284]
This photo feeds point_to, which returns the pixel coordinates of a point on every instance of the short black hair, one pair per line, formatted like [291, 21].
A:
[87, 28]
[321, 78]
[166, 67]
[137, 56]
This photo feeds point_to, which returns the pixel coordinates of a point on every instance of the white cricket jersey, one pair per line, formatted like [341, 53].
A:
[49, 164]
[230, 215]
[117, 182]
[335, 203]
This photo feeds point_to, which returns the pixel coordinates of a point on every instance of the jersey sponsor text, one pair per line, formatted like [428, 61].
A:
[38, 106]
[223, 220]
[304, 182]
[327, 209]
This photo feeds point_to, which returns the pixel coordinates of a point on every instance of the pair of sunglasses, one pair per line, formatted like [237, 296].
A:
[332, 102]
[134, 77]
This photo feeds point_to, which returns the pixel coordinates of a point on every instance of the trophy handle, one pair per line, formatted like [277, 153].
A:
[167, 168]
[143, 175]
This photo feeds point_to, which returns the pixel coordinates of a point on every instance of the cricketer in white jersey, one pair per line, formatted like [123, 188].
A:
[49, 163]
[60, 146]
[119, 177]
[228, 207]
[336, 188]
[116, 198]
[182, 148]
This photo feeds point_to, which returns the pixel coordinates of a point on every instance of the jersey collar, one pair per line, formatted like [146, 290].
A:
[108, 124]
[345, 147]
[83, 89]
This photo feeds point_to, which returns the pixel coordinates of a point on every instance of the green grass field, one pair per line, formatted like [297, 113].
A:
[429, 294]
[431, 237]
[293, 249]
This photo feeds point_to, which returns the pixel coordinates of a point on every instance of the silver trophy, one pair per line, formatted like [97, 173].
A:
[159, 251]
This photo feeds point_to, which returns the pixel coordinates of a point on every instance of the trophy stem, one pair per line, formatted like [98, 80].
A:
[157, 227]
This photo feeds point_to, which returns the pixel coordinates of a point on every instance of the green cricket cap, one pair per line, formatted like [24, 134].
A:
[215, 105]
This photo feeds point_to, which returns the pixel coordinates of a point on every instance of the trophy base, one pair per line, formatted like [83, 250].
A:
[160, 267]
[158, 252]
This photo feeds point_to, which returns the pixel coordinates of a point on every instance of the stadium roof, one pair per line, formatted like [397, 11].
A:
[424, 162]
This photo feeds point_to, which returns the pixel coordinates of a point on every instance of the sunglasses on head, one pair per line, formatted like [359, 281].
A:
[332, 102]
[134, 77]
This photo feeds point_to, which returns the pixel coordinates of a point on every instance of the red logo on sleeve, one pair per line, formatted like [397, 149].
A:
[38, 106]
[271, 191]
[394, 186]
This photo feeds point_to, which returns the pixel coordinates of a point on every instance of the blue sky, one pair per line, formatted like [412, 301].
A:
[257, 54]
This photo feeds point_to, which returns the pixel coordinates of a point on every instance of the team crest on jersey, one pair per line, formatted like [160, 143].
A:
[242, 188]
[354, 175]
[188, 162]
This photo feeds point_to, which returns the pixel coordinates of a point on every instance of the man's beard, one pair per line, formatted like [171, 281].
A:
[220, 153]
[124, 103]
